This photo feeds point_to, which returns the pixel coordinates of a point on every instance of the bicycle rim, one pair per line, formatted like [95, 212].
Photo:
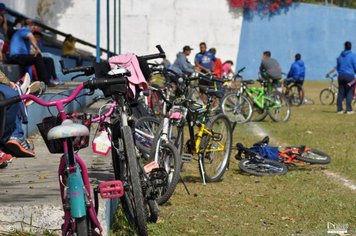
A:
[326, 97]
[279, 110]
[217, 150]
[237, 108]
[262, 168]
[145, 130]
[132, 201]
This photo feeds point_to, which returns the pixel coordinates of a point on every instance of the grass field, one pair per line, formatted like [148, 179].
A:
[299, 203]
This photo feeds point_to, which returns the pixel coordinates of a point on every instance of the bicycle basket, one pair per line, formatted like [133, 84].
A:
[56, 146]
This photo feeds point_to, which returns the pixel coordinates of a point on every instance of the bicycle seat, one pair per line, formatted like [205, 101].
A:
[215, 93]
[67, 129]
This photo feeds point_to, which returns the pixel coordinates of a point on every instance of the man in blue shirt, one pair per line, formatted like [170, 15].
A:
[20, 52]
[204, 59]
[346, 69]
[296, 73]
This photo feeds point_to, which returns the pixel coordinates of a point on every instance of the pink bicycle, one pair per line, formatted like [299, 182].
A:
[62, 135]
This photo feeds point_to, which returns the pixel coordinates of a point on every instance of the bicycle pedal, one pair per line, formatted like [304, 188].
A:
[186, 157]
[111, 189]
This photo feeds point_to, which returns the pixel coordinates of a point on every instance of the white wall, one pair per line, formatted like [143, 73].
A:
[145, 23]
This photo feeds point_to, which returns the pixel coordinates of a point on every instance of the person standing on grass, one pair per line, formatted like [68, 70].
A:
[346, 69]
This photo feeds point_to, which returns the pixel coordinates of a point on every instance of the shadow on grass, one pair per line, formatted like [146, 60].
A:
[191, 179]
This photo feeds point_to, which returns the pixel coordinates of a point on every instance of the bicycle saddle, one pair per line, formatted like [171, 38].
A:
[67, 129]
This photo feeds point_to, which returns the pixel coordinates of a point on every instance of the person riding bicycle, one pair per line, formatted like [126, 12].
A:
[270, 69]
[181, 65]
[296, 72]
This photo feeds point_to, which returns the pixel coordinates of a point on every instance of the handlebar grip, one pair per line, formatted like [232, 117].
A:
[160, 49]
[161, 54]
[10, 101]
[99, 83]
[88, 70]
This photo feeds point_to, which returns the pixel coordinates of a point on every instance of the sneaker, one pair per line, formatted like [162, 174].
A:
[5, 159]
[20, 147]
[340, 112]
[26, 81]
[350, 112]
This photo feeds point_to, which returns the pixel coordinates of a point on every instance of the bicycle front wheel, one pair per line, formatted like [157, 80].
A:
[279, 108]
[326, 97]
[82, 226]
[237, 107]
[132, 201]
[314, 156]
[296, 95]
[216, 149]
[263, 167]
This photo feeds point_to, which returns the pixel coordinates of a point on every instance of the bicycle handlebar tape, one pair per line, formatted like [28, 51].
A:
[109, 86]
[10, 101]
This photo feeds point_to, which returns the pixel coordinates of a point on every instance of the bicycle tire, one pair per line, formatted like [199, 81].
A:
[280, 110]
[133, 199]
[258, 114]
[295, 95]
[326, 97]
[150, 126]
[171, 162]
[210, 164]
[153, 211]
[81, 226]
[314, 156]
[237, 107]
[263, 167]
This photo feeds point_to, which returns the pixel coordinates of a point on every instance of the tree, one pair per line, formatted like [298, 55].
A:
[262, 6]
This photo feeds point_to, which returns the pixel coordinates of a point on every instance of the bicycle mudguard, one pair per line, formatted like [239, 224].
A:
[76, 190]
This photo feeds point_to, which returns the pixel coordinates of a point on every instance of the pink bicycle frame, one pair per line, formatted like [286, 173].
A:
[59, 104]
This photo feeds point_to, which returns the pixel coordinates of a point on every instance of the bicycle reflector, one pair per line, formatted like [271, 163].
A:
[111, 189]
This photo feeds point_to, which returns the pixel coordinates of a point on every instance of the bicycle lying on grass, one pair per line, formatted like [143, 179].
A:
[262, 159]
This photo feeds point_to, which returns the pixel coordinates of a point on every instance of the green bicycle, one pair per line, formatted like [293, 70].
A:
[264, 100]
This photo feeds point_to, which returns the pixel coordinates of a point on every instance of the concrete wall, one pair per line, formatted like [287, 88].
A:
[145, 23]
[315, 31]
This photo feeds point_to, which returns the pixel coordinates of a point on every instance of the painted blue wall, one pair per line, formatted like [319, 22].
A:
[317, 32]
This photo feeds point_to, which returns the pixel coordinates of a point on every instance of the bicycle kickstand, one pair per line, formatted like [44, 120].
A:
[185, 186]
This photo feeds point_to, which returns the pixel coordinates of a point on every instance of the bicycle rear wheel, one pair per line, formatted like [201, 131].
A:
[169, 160]
[216, 148]
[132, 201]
[279, 110]
[262, 167]
[314, 156]
[237, 107]
[145, 130]
[326, 97]
[258, 114]
[295, 95]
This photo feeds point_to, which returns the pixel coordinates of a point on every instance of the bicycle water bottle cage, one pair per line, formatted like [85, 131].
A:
[217, 136]
[68, 129]
[111, 189]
